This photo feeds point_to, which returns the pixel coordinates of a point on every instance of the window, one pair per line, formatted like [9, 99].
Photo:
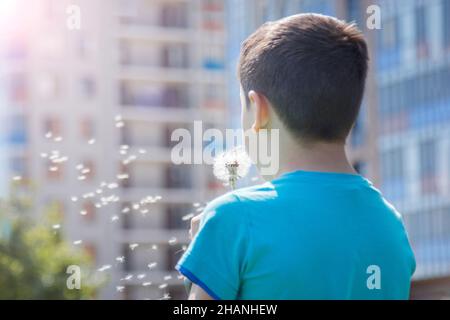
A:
[91, 251]
[428, 167]
[175, 214]
[87, 128]
[17, 90]
[53, 125]
[421, 32]
[17, 130]
[392, 173]
[88, 211]
[87, 87]
[48, 86]
[174, 15]
[178, 177]
[18, 166]
[175, 56]
[446, 19]
[55, 171]
[87, 172]
[389, 33]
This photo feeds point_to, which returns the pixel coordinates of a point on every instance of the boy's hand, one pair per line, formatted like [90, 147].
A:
[195, 224]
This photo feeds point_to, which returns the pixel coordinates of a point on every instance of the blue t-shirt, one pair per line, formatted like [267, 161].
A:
[304, 235]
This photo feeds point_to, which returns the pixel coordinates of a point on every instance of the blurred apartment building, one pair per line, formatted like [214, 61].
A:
[103, 101]
[402, 138]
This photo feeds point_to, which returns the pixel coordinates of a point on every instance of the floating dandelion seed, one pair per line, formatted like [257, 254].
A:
[162, 286]
[114, 218]
[44, 155]
[81, 178]
[17, 178]
[126, 210]
[58, 139]
[53, 169]
[232, 165]
[120, 259]
[196, 204]
[60, 160]
[120, 124]
[91, 141]
[141, 276]
[118, 117]
[56, 226]
[152, 265]
[120, 288]
[146, 284]
[134, 246]
[122, 176]
[127, 278]
[74, 199]
[79, 166]
[187, 217]
[166, 278]
[83, 212]
[48, 135]
[113, 185]
[142, 151]
[154, 247]
[77, 242]
[104, 267]
[166, 296]
[172, 241]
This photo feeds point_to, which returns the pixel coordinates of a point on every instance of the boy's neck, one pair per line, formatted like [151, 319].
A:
[319, 156]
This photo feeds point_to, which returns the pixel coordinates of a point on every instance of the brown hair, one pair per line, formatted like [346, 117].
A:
[312, 68]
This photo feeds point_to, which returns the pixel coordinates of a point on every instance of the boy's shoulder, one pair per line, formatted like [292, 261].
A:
[235, 203]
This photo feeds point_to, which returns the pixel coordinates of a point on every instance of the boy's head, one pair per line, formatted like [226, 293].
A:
[311, 69]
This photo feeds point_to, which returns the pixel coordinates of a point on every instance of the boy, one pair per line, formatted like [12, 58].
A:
[317, 230]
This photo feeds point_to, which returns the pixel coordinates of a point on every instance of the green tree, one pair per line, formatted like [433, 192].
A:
[34, 257]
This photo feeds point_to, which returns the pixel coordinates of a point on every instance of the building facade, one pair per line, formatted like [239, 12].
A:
[90, 110]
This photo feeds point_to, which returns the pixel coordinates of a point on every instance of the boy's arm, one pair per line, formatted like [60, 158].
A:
[198, 293]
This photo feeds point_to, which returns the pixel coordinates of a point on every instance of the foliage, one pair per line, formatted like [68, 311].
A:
[34, 257]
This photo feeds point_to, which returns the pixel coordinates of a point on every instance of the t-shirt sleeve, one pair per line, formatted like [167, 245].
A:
[215, 258]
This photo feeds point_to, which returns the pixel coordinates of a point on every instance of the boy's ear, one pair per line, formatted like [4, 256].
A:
[260, 104]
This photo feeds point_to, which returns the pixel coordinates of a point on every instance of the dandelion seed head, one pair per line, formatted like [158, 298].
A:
[232, 165]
